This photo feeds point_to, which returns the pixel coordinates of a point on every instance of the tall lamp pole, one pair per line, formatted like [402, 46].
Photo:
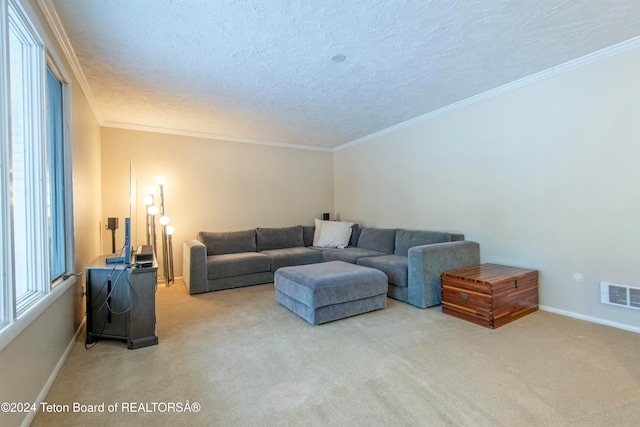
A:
[167, 230]
[164, 221]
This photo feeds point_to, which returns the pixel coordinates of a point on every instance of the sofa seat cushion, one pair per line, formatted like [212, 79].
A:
[279, 238]
[324, 284]
[228, 242]
[349, 254]
[292, 256]
[229, 265]
[328, 291]
[396, 267]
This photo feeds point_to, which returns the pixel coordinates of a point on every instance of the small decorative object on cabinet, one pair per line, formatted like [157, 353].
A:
[489, 294]
[121, 303]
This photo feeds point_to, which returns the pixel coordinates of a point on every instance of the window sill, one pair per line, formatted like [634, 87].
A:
[12, 330]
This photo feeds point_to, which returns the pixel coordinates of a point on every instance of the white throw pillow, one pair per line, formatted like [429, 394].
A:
[332, 234]
[316, 233]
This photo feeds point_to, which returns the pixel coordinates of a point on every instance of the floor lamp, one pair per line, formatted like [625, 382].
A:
[167, 230]
[152, 211]
[170, 231]
[167, 250]
[148, 201]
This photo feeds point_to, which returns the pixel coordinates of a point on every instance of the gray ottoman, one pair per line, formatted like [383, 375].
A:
[327, 291]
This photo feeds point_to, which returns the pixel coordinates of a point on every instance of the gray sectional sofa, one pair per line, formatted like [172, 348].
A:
[411, 259]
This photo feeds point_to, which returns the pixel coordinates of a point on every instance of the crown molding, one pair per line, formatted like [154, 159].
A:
[583, 61]
[205, 135]
[50, 14]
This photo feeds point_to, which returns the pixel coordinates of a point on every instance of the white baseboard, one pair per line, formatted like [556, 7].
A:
[43, 393]
[591, 319]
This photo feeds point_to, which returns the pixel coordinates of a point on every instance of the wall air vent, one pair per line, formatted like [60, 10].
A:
[620, 295]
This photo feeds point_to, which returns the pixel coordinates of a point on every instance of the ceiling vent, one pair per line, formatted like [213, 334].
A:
[620, 295]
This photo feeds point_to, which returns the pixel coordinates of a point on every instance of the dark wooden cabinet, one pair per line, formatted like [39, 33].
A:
[489, 294]
[121, 303]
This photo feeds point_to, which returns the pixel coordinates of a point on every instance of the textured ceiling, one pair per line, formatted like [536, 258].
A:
[263, 71]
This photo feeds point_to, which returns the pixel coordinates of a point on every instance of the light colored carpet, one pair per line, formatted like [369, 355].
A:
[247, 361]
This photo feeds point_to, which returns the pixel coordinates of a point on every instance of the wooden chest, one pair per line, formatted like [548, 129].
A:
[489, 294]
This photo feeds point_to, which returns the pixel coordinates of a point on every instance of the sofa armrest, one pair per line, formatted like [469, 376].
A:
[194, 265]
[428, 261]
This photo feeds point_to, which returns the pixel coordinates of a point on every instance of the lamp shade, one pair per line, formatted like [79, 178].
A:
[164, 220]
[170, 230]
[160, 180]
[153, 210]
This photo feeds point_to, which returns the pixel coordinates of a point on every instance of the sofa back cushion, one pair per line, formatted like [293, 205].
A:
[377, 239]
[355, 235]
[307, 234]
[457, 237]
[228, 242]
[406, 239]
[279, 238]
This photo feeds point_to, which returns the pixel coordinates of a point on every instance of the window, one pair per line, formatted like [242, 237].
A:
[56, 175]
[35, 203]
[5, 234]
[27, 155]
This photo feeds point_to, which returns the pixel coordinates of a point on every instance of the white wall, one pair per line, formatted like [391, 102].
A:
[87, 197]
[546, 176]
[214, 185]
